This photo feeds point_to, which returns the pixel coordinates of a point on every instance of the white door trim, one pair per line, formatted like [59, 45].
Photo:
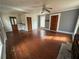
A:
[77, 25]
[59, 15]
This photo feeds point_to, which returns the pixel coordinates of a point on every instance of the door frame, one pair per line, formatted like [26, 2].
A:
[76, 28]
[13, 23]
[59, 15]
[13, 20]
[28, 25]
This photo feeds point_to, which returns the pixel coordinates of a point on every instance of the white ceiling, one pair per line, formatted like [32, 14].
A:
[29, 6]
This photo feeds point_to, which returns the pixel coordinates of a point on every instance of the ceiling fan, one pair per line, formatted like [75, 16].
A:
[44, 8]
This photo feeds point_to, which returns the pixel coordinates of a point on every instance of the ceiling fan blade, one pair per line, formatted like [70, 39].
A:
[44, 8]
[42, 12]
[47, 10]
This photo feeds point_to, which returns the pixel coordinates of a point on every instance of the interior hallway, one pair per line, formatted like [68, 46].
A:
[38, 44]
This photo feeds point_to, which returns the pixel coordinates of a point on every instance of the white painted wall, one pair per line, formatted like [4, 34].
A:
[34, 21]
[6, 21]
[7, 24]
[22, 19]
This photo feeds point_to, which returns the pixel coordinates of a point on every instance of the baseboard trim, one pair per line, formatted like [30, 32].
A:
[59, 31]
[44, 28]
[65, 32]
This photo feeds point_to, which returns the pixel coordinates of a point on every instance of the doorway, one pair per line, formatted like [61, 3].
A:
[42, 21]
[54, 22]
[29, 23]
[14, 24]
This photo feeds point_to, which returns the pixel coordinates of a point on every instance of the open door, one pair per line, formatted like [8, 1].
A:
[14, 24]
[29, 23]
[54, 21]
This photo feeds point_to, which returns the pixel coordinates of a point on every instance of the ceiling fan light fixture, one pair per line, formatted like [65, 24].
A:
[45, 12]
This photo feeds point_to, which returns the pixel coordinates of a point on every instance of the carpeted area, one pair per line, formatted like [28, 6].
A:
[65, 51]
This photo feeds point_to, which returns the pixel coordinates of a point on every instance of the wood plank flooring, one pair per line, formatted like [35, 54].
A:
[39, 44]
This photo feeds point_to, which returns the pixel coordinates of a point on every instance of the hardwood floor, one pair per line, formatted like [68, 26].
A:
[38, 44]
